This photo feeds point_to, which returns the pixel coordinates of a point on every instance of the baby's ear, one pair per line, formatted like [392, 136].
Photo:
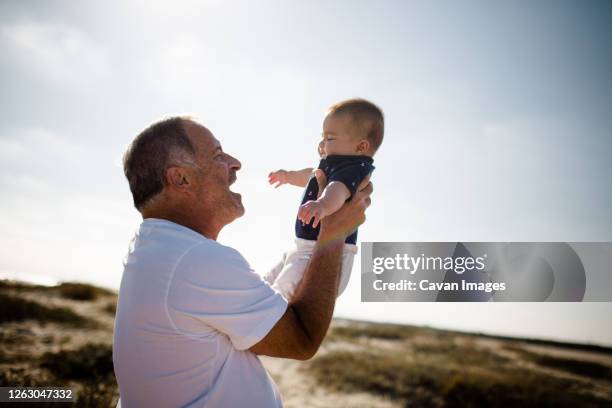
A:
[363, 146]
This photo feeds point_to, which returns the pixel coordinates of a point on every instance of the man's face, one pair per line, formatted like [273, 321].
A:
[215, 173]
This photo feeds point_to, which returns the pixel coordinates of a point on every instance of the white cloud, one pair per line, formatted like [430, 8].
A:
[57, 53]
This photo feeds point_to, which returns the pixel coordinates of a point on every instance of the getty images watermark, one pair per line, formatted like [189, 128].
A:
[486, 271]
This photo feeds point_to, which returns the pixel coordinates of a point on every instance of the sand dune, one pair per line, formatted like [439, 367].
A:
[62, 336]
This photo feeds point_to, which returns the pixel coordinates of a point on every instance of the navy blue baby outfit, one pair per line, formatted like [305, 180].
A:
[350, 171]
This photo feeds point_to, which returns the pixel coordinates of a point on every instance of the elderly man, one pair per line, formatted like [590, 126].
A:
[192, 315]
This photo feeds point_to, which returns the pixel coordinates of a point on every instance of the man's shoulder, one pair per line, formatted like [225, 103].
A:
[211, 255]
[213, 250]
[177, 244]
[215, 265]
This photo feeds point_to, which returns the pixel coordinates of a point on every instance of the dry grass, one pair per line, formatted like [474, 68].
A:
[111, 308]
[41, 345]
[417, 383]
[16, 309]
[357, 330]
[90, 362]
[78, 291]
[45, 335]
[582, 368]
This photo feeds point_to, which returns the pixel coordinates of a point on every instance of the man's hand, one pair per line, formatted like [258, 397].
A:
[311, 209]
[279, 177]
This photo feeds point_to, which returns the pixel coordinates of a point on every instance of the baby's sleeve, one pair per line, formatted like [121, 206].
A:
[351, 175]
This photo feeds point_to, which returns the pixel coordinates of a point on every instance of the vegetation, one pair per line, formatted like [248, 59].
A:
[91, 366]
[23, 339]
[80, 291]
[111, 308]
[584, 368]
[579, 367]
[413, 366]
[92, 362]
[20, 286]
[450, 351]
[422, 384]
[16, 309]
[374, 330]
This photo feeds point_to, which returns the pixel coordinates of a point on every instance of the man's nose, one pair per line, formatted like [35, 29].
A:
[233, 163]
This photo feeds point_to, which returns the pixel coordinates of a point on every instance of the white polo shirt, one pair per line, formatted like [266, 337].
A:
[188, 310]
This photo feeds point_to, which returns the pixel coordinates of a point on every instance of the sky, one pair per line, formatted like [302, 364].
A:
[498, 128]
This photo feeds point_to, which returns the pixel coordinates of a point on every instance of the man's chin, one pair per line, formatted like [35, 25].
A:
[238, 202]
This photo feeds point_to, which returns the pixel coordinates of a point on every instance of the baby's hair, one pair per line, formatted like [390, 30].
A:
[366, 115]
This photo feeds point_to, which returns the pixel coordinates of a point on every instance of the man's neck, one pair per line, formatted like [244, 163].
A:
[184, 218]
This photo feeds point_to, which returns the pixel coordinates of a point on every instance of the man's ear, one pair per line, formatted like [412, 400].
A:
[363, 146]
[177, 177]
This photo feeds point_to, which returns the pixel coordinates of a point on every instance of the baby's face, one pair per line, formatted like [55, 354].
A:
[339, 137]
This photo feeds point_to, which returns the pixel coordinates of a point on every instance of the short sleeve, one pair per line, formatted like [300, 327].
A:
[214, 289]
[351, 174]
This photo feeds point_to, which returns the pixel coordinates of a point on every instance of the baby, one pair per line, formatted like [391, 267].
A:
[352, 132]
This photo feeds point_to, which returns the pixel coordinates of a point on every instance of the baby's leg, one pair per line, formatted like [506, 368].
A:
[294, 267]
[297, 261]
[348, 255]
[273, 273]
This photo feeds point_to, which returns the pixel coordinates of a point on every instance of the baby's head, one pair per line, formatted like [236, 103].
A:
[352, 127]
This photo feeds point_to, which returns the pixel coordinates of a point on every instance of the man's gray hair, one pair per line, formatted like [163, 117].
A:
[162, 144]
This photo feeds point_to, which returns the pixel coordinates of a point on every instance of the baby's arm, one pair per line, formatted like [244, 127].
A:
[333, 197]
[298, 178]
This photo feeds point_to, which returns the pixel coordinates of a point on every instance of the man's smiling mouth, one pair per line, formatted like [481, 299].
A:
[232, 180]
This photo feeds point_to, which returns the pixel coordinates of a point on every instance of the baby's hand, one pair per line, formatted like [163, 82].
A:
[279, 177]
[310, 210]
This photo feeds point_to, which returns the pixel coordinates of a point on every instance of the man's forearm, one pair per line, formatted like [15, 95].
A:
[315, 296]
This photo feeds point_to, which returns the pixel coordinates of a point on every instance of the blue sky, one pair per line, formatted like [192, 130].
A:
[498, 128]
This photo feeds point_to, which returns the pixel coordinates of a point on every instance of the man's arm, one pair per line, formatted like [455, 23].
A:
[298, 178]
[300, 331]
